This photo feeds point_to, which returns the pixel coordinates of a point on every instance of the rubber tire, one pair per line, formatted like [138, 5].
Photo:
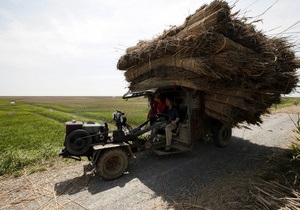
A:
[112, 163]
[222, 135]
[77, 146]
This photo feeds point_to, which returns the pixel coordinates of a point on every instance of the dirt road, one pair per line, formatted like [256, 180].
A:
[207, 178]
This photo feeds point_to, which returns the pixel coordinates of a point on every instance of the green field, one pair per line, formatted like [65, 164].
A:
[287, 101]
[33, 128]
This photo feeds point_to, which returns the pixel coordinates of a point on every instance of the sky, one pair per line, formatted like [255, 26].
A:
[71, 47]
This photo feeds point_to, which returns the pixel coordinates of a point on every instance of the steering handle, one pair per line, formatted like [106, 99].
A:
[165, 117]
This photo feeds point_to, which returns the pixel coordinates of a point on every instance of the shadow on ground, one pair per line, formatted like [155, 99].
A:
[207, 176]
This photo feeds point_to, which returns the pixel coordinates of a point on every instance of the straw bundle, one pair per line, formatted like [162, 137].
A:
[241, 71]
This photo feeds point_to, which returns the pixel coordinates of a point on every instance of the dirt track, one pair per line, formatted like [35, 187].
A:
[207, 178]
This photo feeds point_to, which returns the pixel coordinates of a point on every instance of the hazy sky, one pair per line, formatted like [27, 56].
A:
[71, 47]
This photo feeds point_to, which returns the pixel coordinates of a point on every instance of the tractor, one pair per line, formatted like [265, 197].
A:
[109, 152]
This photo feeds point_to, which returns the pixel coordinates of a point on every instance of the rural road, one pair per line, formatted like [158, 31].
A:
[156, 182]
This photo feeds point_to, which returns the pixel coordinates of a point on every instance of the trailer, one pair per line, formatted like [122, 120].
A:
[109, 152]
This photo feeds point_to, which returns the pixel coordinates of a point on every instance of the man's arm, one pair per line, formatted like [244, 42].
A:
[175, 121]
[177, 117]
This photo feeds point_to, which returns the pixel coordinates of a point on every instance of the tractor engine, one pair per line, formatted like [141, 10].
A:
[81, 135]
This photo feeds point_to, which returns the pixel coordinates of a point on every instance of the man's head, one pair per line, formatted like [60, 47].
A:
[158, 98]
[168, 101]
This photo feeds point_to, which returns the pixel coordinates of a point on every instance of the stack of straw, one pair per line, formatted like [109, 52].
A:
[241, 71]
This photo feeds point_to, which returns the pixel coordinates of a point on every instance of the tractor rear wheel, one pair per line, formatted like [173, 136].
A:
[112, 163]
[222, 135]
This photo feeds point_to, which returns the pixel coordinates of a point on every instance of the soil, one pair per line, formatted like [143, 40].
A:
[253, 172]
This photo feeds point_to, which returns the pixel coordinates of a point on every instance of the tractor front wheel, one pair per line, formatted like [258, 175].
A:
[112, 163]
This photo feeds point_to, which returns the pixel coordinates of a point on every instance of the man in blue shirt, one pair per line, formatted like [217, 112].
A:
[169, 124]
[172, 111]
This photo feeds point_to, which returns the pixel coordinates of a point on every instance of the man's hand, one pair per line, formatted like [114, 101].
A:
[175, 121]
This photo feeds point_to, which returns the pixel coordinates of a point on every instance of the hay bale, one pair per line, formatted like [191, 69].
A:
[241, 71]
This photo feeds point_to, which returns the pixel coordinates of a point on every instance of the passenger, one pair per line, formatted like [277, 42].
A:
[153, 107]
[160, 104]
[157, 106]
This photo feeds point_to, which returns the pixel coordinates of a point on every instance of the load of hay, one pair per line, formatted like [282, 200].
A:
[241, 71]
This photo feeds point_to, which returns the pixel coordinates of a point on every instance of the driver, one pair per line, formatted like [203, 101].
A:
[172, 112]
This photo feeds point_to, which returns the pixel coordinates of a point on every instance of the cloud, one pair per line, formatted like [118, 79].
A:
[51, 46]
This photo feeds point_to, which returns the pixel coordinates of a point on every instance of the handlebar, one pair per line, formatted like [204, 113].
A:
[162, 117]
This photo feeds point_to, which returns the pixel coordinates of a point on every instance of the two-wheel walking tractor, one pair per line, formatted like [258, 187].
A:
[109, 152]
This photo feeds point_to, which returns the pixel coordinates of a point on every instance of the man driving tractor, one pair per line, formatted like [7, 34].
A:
[169, 124]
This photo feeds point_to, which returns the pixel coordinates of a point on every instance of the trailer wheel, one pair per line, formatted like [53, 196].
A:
[78, 142]
[222, 135]
[112, 163]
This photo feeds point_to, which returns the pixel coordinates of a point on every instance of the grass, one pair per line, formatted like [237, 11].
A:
[33, 129]
[296, 153]
[287, 102]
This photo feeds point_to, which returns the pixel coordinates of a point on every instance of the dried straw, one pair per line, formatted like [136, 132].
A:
[241, 71]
